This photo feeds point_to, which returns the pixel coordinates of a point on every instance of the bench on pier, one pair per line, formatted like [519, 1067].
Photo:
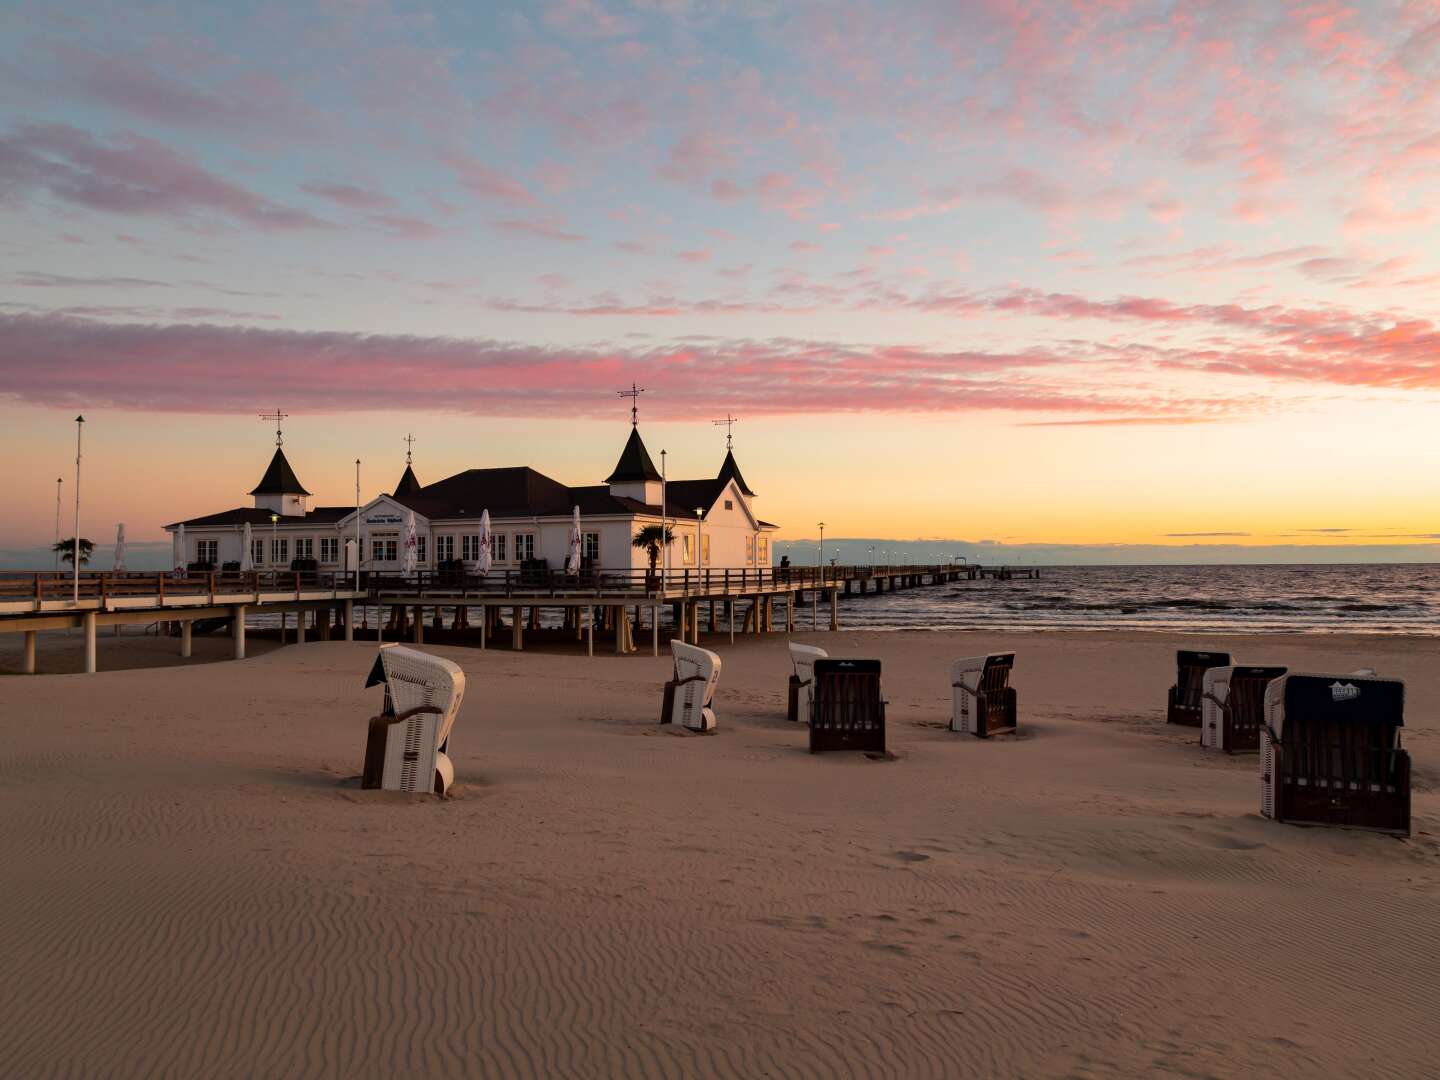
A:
[802, 680]
[689, 695]
[405, 748]
[846, 709]
[1187, 693]
[1330, 753]
[983, 700]
[1233, 707]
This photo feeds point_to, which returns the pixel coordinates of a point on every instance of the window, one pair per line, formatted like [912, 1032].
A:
[749, 550]
[257, 552]
[392, 550]
[444, 548]
[764, 543]
[304, 548]
[279, 552]
[377, 550]
[729, 504]
[470, 547]
[207, 551]
[420, 548]
[705, 549]
[590, 546]
[687, 552]
[329, 549]
[497, 546]
[524, 546]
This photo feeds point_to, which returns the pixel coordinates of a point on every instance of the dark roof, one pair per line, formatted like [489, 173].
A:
[683, 496]
[408, 485]
[279, 478]
[634, 463]
[731, 471]
[319, 515]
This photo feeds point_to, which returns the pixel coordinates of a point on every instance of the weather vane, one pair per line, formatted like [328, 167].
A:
[729, 422]
[277, 416]
[634, 395]
[409, 445]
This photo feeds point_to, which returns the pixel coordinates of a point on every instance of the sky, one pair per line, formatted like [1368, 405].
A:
[1096, 277]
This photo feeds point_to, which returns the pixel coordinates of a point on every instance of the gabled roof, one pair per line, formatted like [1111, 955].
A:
[279, 478]
[731, 471]
[683, 496]
[408, 485]
[634, 464]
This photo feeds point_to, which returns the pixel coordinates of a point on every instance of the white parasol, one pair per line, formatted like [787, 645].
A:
[120, 546]
[485, 544]
[247, 550]
[180, 549]
[408, 566]
[572, 561]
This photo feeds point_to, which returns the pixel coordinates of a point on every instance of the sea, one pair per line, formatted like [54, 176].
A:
[1318, 599]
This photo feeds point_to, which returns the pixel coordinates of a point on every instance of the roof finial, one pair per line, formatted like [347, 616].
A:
[409, 444]
[634, 395]
[729, 422]
[277, 416]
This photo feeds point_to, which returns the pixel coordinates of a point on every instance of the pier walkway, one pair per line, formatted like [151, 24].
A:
[619, 604]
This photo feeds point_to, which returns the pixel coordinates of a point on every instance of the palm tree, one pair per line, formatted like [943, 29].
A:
[66, 548]
[651, 539]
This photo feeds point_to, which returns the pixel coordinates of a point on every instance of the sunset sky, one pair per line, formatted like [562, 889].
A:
[1083, 274]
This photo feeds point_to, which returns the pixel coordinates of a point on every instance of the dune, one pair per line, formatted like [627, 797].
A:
[194, 885]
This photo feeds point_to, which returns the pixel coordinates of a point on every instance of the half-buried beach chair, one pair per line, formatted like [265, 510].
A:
[405, 749]
[846, 709]
[1330, 752]
[1186, 694]
[802, 679]
[1232, 710]
[689, 694]
[983, 699]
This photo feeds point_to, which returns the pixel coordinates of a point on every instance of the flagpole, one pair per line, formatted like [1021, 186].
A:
[357, 524]
[664, 522]
[75, 548]
[59, 483]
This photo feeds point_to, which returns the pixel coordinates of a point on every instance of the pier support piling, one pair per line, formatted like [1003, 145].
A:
[89, 625]
[186, 630]
[28, 667]
[349, 620]
[237, 631]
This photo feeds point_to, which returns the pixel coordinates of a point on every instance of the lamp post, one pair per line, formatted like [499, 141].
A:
[822, 543]
[59, 482]
[274, 542]
[357, 524]
[75, 550]
[872, 555]
[664, 523]
[699, 544]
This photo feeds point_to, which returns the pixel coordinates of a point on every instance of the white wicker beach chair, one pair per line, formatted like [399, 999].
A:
[802, 679]
[1232, 706]
[1330, 752]
[689, 694]
[407, 743]
[983, 702]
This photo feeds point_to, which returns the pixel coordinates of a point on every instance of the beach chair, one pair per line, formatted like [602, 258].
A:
[1185, 695]
[1330, 752]
[983, 700]
[689, 694]
[405, 749]
[802, 679]
[846, 710]
[1233, 707]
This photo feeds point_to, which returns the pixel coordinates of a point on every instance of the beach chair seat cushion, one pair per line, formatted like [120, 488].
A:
[982, 699]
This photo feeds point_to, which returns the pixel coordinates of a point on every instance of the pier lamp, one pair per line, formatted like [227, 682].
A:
[699, 545]
[822, 543]
[75, 550]
[274, 543]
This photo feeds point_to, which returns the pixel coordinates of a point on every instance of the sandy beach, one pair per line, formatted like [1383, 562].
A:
[193, 886]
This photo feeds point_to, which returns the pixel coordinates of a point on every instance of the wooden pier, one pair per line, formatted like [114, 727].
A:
[621, 605]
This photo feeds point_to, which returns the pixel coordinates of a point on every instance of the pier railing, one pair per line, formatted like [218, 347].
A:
[44, 586]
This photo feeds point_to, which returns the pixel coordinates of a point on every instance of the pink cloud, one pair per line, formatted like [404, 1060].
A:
[406, 227]
[489, 183]
[133, 175]
[545, 229]
[698, 255]
[350, 196]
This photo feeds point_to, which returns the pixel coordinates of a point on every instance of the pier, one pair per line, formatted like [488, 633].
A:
[620, 606]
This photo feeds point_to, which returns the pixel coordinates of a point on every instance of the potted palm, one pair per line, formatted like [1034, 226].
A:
[651, 539]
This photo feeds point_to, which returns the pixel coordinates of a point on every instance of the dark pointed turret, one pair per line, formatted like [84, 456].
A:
[408, 485]
[279, 478]
[634, 465]
[731, 471]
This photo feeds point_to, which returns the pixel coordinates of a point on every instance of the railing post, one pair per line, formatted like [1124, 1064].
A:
[39, 588]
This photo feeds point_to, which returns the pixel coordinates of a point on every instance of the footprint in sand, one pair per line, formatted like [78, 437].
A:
[910, 856]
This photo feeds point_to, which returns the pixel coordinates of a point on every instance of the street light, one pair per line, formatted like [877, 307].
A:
[822, 543]
[75, 550]
[59, 482]
[274, 543]
[664, 524]
[699, 545]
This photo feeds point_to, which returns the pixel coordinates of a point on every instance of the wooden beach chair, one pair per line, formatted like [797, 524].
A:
[1233, 707]
[983, 700]
[405, 749]
[802, 679]
[689, 694]
[1330, 752]
[846, 709]
[1186, 694]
